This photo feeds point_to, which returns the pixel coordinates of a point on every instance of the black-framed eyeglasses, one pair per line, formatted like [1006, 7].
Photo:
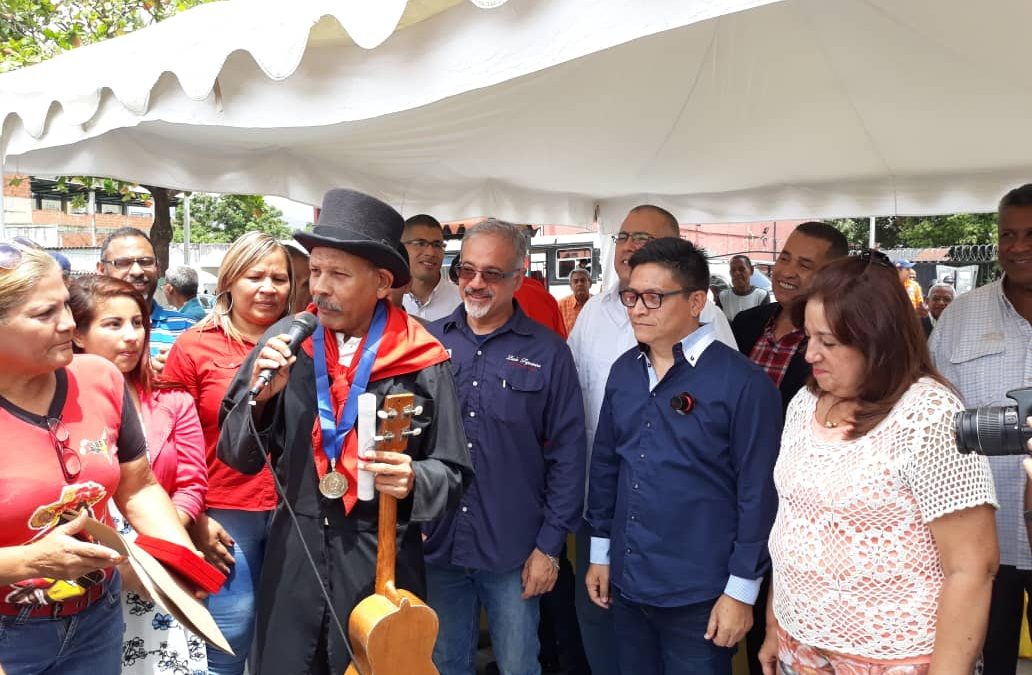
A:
[651, 299]
[68, 458]
[145, 262]
[10, 256]
[636, 237]
[870, 255]
[468, 272]
[425, 243]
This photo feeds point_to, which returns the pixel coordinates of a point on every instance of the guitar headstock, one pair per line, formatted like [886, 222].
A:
[396, 422]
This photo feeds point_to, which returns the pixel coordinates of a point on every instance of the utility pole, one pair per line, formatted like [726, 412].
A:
[186, 229]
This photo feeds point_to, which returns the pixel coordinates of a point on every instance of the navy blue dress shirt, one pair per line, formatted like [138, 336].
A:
[686, 501]
[524, 420]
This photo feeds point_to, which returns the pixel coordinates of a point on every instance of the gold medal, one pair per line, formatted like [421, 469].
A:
[333, 485]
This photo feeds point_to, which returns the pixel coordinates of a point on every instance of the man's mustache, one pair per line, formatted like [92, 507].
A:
[325, 303]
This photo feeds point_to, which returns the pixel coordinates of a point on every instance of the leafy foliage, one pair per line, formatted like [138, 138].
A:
[35, 30]
[223, 219]
[922, 232]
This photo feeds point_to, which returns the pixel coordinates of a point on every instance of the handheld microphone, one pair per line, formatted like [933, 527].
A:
[301, 328]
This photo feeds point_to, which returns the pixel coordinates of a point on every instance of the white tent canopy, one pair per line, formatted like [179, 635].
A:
[553, 110]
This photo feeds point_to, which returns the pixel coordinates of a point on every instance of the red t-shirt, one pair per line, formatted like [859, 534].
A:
[103, 429]
[204, 361]
[537, 303]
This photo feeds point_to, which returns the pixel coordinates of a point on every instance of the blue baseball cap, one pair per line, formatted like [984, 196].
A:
[65, 263]
[904, 264]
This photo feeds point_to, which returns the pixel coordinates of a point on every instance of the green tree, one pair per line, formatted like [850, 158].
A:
[922, 232]
[222, 219]
[35, 30]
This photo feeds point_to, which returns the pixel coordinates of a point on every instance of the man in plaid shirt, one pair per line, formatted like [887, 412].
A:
[768, 337]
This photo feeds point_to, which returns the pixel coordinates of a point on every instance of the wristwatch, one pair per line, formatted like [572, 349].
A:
[555, 560]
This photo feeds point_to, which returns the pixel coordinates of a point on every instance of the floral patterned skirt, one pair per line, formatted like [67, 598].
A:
[154, 642]
[796, 658]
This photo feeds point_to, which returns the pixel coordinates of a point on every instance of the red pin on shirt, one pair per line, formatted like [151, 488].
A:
[683, 403]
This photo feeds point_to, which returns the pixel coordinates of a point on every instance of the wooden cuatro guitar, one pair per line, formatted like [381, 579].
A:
[392, 631]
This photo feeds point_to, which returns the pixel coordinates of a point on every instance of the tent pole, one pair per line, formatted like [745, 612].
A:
[870, 237]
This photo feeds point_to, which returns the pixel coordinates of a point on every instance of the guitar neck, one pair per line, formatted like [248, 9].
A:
[397, 419]
[387, 543]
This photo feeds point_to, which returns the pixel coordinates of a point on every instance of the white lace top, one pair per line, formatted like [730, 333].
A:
[856, 569]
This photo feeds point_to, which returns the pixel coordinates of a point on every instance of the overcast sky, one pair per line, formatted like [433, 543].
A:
[296, 214]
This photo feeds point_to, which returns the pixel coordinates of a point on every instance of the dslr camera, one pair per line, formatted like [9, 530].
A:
[996, 429]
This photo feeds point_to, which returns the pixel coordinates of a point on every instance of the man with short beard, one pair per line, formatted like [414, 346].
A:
[524, 421]
[128, 254]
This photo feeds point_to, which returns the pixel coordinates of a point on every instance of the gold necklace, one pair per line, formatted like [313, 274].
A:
[828, 424]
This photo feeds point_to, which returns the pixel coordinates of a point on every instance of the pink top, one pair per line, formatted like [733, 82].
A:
[175, 446]
[856, 569]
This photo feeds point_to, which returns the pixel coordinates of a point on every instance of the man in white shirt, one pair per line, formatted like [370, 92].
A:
[432, 296]
[742, 295]
[602, 333]
[981, 344]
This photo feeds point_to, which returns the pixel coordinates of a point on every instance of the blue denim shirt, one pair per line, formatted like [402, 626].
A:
[686, 501]
[524, 421]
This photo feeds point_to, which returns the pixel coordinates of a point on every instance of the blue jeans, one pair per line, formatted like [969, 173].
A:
[457, 594]
[596, 624]
[233, 607]
[88, 643]
[666, 640]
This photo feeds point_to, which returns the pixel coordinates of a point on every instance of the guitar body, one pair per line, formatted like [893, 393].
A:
[392, 632]
[393, 638]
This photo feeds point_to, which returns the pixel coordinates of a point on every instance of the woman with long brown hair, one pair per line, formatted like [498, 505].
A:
[884, 563]
[112, 320]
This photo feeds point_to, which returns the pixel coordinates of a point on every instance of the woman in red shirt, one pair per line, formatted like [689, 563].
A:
[112, 320]
[253, 291]
[72, 441]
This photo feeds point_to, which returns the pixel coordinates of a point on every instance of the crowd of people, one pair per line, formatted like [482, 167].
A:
[778, 471]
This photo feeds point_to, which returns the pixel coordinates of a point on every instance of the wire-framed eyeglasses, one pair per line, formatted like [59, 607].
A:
[67, 457]
[651, 299]
[145, 262]
[636, 237]
[469, 273]
[425, 243]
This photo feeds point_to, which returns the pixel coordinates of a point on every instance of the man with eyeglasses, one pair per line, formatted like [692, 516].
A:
[681, 498]
[521, 408]
[432, 295]
[602, 333]
[128, 254]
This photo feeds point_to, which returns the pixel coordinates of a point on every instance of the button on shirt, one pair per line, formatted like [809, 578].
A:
[681, 505]
[524, 421]
[442, 301]
[984, 347]
[602, 333]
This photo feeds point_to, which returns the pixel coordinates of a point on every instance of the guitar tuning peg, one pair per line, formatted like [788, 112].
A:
[386, 437]
[382, 414]
[410, 411]
[412, 432]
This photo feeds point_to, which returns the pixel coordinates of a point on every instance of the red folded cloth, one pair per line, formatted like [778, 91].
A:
[184, 562]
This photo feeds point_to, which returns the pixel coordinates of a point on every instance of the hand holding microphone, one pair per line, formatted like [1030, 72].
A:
[269, 375]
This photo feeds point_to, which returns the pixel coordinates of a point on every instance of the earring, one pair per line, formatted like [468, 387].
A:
[229, 308]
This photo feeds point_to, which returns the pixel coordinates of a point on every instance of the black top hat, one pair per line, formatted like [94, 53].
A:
[361, 225]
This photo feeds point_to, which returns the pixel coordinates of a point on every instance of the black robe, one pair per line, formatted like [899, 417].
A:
[292, 615]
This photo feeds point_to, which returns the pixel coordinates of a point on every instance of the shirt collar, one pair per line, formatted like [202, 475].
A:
[518, 323]
[445, 281]
[690, 348]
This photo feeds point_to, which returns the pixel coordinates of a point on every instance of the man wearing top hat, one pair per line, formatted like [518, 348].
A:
[354, 264]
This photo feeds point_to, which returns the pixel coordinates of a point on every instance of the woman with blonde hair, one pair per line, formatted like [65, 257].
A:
[72, 443]
[253, 291]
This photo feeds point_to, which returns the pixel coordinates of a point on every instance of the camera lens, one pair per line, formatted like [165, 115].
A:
[985, 430]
